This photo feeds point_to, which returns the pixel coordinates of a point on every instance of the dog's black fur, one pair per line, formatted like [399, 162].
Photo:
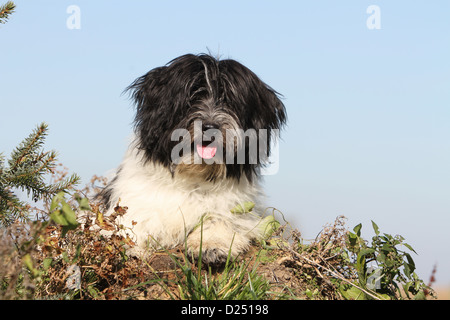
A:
[175, 95]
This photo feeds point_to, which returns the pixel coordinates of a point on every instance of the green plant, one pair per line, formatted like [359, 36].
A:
[6, 10]
[236, 282]
[385, 270]
[27, 170]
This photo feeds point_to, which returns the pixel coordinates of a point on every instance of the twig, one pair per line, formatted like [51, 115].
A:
[335, 274]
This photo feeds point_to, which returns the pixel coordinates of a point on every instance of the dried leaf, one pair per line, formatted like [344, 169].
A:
[102, 223]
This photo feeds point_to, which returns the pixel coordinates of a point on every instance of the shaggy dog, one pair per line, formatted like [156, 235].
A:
[203, 130]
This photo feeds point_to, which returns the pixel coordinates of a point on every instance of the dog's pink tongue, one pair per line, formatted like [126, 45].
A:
[206, 152]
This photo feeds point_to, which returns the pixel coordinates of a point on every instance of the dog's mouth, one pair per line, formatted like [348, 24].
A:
[206, 151]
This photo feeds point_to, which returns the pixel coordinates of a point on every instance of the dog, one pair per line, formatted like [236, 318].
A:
[202, 134]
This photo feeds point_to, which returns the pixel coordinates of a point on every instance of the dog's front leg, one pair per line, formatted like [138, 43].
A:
[215, 239]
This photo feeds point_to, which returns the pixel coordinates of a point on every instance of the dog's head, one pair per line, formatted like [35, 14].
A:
[206, 117]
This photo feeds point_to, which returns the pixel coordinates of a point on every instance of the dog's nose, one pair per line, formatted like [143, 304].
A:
[207, 126]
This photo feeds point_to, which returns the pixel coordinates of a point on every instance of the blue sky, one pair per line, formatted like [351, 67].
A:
[369, 110]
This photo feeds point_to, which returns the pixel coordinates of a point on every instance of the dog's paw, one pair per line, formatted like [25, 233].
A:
[138, 252]
[210, 255]
[217, 240]
[213, 257]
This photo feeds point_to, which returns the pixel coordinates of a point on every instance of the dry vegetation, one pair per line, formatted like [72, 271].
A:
[37, 263]
[55, 257]
[49, 260]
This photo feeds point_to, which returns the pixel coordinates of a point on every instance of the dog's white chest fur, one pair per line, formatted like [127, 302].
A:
[168, 209]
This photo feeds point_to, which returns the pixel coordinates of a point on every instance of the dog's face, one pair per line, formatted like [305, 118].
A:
[216, 110]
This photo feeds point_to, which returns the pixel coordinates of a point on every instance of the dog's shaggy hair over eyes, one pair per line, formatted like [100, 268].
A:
[170, 200]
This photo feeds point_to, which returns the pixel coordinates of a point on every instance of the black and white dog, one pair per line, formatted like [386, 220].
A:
[203, 129]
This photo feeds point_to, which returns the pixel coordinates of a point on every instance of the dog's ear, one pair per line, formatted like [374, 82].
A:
[163, 98]
[160, 102]
[259, 105]
[163, 95]
[144, 89]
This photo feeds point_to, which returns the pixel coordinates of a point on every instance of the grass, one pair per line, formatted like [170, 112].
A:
[59, 257]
